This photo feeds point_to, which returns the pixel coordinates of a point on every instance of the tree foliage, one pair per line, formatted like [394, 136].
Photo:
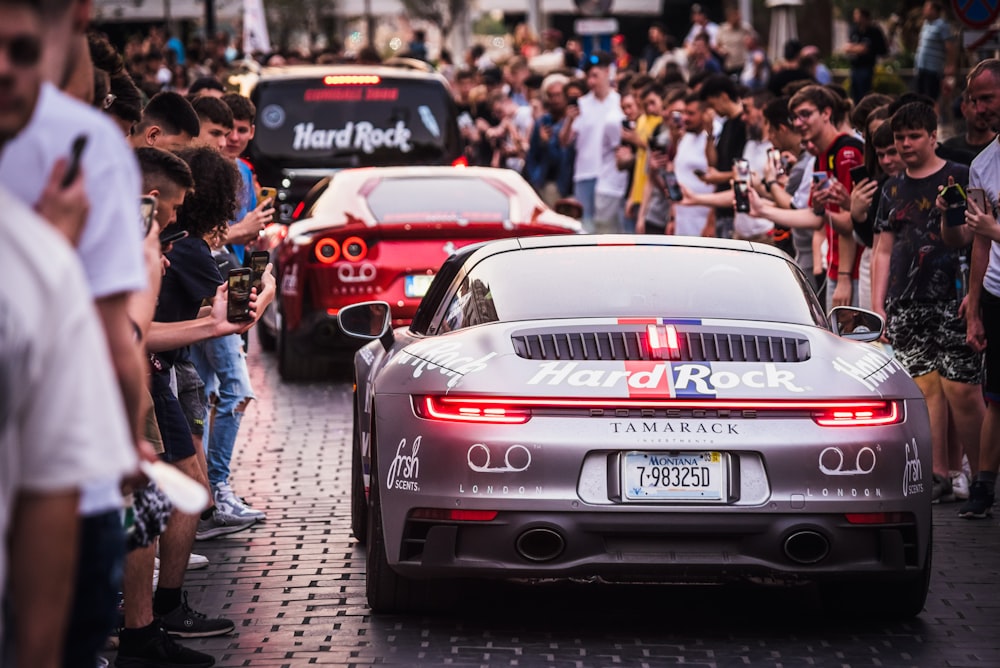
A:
[444, 14]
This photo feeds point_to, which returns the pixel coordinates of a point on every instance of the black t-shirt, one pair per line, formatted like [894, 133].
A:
[922, 268]
[958, 149]
[871, 37]
[729, 148]
[192, 277]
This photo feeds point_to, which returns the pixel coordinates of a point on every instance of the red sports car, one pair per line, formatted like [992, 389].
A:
[381, 233]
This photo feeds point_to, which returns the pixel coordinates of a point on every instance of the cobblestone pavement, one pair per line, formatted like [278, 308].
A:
[294, 585]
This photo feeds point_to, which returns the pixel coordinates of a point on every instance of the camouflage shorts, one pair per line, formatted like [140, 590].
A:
[930, 337]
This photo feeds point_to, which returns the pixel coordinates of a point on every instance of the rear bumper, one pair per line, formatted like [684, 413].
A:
[658, 547]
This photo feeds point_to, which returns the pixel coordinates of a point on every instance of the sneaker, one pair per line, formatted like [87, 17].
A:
[980, 503]
[195, 562]
[184, 622]
[227, 503]
[220, 525]
[160, 651]
[941, 491]
[959, 485]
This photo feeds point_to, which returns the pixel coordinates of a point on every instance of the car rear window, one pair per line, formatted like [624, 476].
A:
[418, 200]
[354, 120]
[634, 281]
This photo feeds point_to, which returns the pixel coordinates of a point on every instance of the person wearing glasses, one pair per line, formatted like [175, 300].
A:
[817, 114]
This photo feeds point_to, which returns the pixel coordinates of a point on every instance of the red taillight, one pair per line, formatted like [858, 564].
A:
[355, 249]
[663, 342]
[299, 208]
[460, 161]
[515, 410]
[327, 251]
[351, 79]
[470, 410]
[862, 414]
[878, 518]
[445, 515]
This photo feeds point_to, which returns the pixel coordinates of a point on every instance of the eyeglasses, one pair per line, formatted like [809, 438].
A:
[803, 115]
[23, 50]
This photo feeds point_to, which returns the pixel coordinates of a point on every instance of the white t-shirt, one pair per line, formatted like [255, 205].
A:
[985, 173]
[598, 132]
[111, 246]
[690, 220]
[754, 152]
[62, 423]
[711, 28]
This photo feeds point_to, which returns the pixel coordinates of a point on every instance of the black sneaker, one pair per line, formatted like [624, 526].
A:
[980, 503]
[184, 622]
[159, 651]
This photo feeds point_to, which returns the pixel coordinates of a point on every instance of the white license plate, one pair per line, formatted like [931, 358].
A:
[417, 284]
[674, 476]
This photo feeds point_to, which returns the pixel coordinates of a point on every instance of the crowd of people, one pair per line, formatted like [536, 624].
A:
[116, 348]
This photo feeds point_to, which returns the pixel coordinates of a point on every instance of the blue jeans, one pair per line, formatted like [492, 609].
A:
[222, 364]
[584, 192]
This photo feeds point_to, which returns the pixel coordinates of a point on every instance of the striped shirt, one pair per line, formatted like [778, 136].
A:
[931, 46]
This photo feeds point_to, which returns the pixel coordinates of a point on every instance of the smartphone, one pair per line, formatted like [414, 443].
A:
[171, 238]
[698, 172]
[75, 153]
[821, 180]
[978, 195]
[954, 215]
[258, 265]
[859, 173]
[238, 300]
[678, 118]
[147, 211]
[741, 192]
[742, 170]
[774, 155]
[268, 193]
[673, 187]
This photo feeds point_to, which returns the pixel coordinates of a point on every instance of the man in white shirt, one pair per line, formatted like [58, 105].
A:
[701, 24]
[693, 220]
[595, 126]
[64, 428]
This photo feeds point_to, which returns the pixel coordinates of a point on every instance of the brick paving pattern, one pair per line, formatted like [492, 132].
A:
[294, 585]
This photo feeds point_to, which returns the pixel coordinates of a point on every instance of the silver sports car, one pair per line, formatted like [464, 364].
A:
[636, 409]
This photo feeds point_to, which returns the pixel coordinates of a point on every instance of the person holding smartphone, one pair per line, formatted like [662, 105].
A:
[914, 288]
[549, 164]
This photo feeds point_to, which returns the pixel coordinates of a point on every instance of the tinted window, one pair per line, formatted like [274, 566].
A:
[632, 281]
[310, 123]
[438, 199]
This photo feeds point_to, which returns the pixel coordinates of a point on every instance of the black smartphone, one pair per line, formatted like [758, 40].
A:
[147, 212]
[238, 299]
[673, 187]
[954, 215]
[171, 238]
[698, 172]
[258, 265]
[859, 173]
[75, 153]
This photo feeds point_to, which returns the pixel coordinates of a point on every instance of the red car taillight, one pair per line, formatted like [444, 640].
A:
[355, 249]
[864, 414]
[327, 251]
[460, 161]
[469, 410]
[515, 410]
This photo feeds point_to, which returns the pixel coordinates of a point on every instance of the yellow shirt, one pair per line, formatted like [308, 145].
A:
[644, 127]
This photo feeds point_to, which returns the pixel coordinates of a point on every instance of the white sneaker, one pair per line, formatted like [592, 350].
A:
[230, 505]
[959, 485]
[195, 562]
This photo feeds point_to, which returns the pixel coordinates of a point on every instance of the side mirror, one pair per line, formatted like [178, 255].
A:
[568, 206]
[857, 324]
[367, 320]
